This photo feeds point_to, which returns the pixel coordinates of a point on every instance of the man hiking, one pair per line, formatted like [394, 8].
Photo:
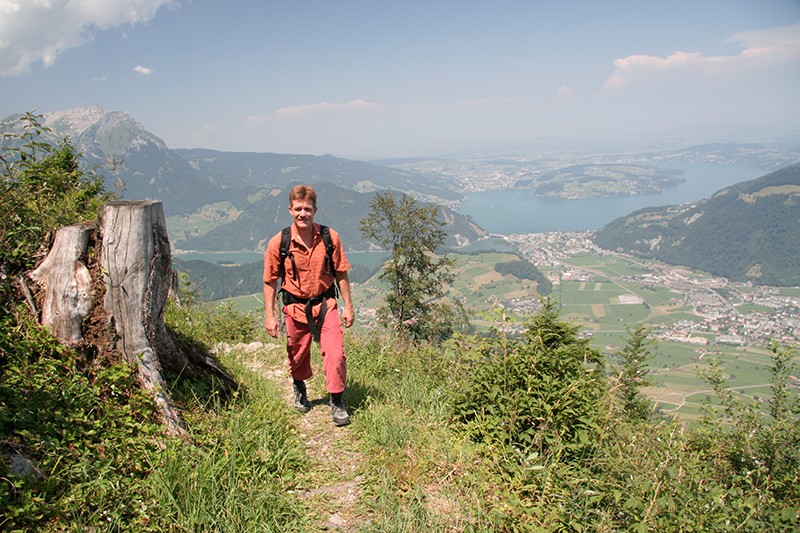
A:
[310, 263]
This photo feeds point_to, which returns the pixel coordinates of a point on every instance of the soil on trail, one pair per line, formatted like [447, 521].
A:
[332, 482]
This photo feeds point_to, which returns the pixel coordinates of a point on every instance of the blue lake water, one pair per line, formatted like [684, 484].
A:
[519, 211]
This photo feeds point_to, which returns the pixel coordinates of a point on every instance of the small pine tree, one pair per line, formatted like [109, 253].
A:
[633, 376]
[535, 394]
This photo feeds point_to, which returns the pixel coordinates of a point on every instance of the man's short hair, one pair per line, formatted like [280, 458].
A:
[303, 192]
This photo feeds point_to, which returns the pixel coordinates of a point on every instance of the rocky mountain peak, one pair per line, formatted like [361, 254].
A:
[101, 133]
[74, 122]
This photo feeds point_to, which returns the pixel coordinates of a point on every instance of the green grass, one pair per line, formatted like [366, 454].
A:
[657, 296]
[251, 303]
[201, 222]
[239, 473]
[243, 465]
[673, 317]
[751, 308]
[608, 265]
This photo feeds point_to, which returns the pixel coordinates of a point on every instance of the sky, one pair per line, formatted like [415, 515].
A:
[389, 78]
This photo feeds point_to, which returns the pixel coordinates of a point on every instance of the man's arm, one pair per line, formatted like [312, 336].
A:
[270, 323]
[348, 316]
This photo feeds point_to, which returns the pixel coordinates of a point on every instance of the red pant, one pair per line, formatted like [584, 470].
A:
[298, 347]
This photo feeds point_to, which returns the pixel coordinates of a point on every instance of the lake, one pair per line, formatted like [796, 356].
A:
[520, 211]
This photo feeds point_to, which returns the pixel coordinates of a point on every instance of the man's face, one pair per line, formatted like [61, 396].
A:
[302, 212]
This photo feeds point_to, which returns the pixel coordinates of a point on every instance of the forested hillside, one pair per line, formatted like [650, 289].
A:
[746, 232]
[236, 169]
[266, 213]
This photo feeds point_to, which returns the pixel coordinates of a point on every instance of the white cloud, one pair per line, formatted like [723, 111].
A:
[776, 44]
[323, 106]
[144, 71]
[563, 92]
[34, 31]
[759, 47]
[308, 110]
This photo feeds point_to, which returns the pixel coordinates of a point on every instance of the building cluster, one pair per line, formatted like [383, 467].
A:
[724, 312]
[551, 248]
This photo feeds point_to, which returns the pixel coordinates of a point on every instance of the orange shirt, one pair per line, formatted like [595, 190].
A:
[312, 277]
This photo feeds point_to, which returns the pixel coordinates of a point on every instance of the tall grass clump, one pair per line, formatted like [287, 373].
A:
[239, 471]
[399, 394]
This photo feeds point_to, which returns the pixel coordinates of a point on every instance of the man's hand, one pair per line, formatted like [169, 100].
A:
[348, 316]
[271, 325]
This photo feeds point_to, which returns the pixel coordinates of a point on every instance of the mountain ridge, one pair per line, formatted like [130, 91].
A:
[234, 200]
[747, 232]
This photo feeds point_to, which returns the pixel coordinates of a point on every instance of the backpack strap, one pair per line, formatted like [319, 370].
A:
[286, 237]
[325, 232]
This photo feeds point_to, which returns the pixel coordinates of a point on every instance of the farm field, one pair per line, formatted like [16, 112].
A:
[607, 302]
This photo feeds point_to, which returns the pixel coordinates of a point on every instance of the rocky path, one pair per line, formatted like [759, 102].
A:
[332, 482]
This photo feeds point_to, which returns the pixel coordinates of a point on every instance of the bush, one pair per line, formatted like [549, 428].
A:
[537, 393]
[43, 188]
[560, 462]
[86, 431]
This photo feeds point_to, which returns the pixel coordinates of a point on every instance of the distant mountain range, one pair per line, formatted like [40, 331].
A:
[234, 200]
[747, 232]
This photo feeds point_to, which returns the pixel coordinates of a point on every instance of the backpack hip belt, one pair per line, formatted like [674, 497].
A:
[314, 325]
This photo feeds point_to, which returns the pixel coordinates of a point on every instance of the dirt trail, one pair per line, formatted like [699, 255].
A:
[332, 483]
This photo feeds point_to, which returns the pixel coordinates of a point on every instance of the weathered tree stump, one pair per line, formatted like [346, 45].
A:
[137, 264]
[137, 279]
[66, 284]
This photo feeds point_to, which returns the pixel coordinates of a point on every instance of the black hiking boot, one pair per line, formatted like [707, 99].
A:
[340, 416]
[301, 402]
